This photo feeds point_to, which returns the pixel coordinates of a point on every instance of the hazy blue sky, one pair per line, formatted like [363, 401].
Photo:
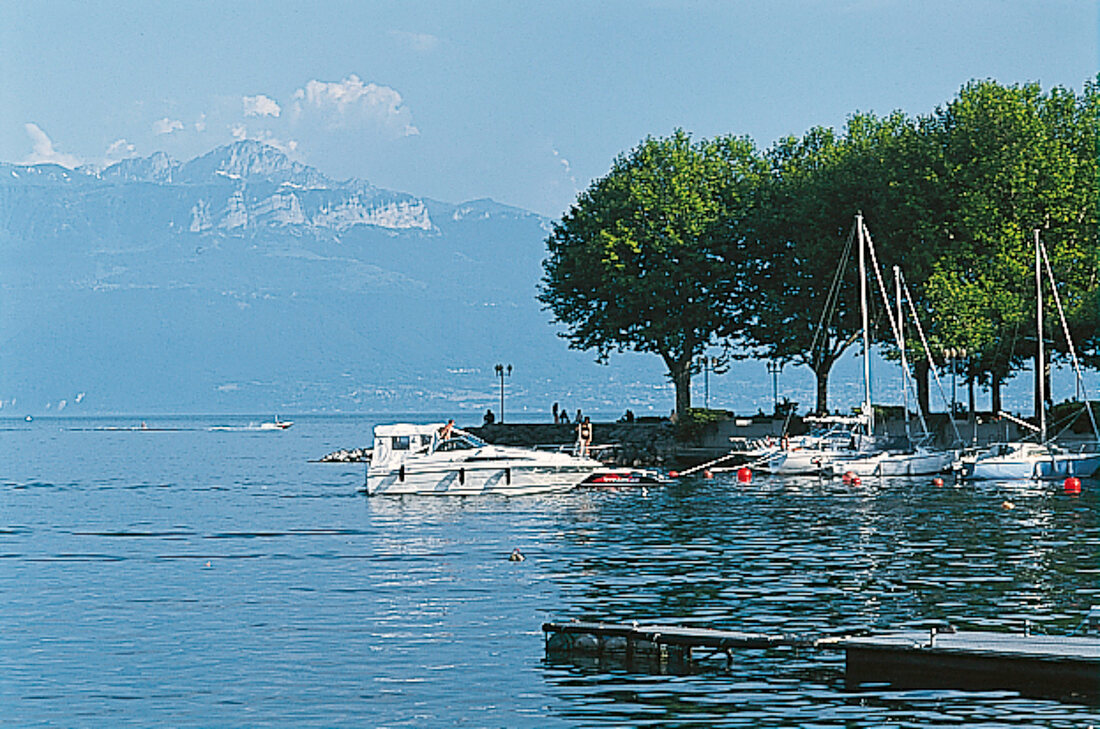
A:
[524, 102]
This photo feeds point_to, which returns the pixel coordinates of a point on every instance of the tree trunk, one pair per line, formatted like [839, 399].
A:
[920, 373]
[995, 392]
[680, 372]
[970, 396]
[1042, 369]
[822, 374]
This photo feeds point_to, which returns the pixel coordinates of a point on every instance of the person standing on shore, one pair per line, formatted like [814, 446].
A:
[584, 437]
[555, 411]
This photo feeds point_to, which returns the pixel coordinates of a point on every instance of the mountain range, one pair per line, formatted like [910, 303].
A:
[243, 281]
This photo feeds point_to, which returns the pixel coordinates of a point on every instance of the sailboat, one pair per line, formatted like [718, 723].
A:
[1029, 460]
[914, 457]
[843, 438]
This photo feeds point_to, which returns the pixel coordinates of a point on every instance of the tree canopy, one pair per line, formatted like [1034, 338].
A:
[686, 244]
[644, 260]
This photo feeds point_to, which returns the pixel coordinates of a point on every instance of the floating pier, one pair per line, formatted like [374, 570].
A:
[1063, 667]
[1034, 665]
[655, 646]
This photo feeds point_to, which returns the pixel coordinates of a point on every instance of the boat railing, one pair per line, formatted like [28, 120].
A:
[1080, 447]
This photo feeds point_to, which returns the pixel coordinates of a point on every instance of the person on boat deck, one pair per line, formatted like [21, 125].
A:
[489, 417]
[447, 430]
[584, 436]
[578, 418]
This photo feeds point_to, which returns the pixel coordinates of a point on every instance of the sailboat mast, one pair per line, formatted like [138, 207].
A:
[901, 349]
[1040, 364]
[868, 411]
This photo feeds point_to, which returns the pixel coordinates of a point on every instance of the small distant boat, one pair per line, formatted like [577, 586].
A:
[276, 424]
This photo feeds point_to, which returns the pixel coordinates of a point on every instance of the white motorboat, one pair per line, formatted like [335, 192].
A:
[276, 424]
[415, 459]
[1023, 461]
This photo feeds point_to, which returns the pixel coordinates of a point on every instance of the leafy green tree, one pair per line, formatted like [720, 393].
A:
[804, 301]
[648, 259]
[1013, 159]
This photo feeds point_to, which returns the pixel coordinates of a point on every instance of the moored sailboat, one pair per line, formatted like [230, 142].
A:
[1025, 460]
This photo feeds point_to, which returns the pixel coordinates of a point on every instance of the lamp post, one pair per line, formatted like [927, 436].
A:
[501, 371]
[774, 368]
[709, 364]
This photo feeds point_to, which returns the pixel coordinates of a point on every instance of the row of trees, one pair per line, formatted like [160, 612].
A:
[691, 244]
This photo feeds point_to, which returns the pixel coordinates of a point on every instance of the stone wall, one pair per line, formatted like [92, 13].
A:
[628, 444]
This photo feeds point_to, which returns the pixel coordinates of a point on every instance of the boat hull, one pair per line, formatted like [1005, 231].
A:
[894, 464]
[473, 480]
[1081, 465]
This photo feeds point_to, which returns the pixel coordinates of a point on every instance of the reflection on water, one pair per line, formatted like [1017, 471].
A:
[217, 578]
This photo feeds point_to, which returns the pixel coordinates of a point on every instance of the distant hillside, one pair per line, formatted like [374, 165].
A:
[243, 281]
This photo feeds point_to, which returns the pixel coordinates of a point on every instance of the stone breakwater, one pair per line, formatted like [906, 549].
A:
[621, 444]
[347, 455]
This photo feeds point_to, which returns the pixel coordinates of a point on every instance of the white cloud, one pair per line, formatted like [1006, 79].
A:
[200, 124]
[239, 131]
[119, 149]
[419, 42]
[43, 151]
[351, 103]
[167, 126]
[260, 105]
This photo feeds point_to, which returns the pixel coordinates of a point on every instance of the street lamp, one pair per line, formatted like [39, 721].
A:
[774, 368]
[501, 371]
[709, 364]
[954, 355]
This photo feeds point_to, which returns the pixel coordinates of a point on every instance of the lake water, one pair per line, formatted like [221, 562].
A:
[200, 578]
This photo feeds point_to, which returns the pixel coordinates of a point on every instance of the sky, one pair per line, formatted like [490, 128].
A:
[523, 102]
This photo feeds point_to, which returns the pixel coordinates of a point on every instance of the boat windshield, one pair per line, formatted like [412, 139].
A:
[464, 442]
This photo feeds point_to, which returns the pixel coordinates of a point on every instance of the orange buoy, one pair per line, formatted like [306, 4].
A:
[937, 481]
[674, 474]
[744, 474]
[708, 474]
[1072, 485]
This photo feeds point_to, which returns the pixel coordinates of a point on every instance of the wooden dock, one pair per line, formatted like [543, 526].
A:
[1034, 665]
[655, 646]
[1063, 667]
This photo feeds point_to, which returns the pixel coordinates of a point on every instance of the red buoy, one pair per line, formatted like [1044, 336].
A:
[937, 481]
[1072, 485]
[744, 474]
[856, 481]
[708, 474]
[847, 477]
[674, 474]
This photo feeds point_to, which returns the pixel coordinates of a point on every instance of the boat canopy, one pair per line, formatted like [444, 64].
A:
[386, 431]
